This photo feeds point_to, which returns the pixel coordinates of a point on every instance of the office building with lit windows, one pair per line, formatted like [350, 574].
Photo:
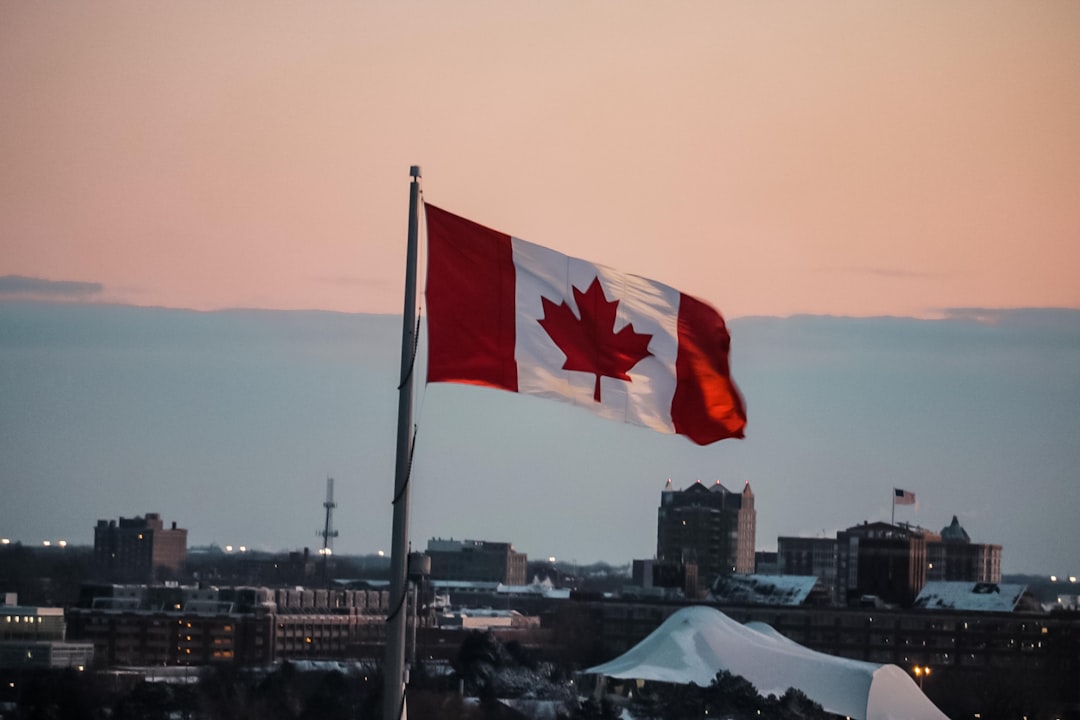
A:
[708, 526]
[141, 625]
[139, 549]
[34, 638]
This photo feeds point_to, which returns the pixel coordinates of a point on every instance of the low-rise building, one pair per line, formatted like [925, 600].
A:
[476, 560]
[35, 638]
[181, 625]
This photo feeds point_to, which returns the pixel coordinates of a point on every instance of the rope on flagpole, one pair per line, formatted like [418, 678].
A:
[408, 469]
[412, 357]
[408, 476]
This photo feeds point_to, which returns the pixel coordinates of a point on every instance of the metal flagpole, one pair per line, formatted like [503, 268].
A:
[394, 670]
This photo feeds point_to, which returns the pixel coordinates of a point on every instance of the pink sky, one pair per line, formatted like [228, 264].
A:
[771, 158]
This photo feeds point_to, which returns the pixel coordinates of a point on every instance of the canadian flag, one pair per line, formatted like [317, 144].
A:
[508, 314]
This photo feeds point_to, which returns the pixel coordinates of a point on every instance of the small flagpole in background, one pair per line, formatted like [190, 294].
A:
[394, 670]
[901, 497]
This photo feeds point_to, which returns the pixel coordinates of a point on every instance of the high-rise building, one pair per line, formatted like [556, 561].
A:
[477, 561]
[139, 549]
[711, 527]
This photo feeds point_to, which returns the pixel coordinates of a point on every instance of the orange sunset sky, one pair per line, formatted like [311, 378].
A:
[773, 158]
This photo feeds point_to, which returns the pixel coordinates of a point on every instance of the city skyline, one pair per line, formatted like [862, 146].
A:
[228, 423]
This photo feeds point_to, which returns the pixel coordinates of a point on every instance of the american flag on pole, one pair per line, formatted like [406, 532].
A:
[903, 497]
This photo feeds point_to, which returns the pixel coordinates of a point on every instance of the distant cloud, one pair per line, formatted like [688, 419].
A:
[883, 272]
[982, 316]
[352, 280]
[1042, 317]
[40, 288]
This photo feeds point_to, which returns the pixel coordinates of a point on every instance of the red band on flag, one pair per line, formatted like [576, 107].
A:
[707, 406]
[470, 303]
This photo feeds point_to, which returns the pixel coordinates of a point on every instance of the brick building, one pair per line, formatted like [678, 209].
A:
[162, 626]
[139, 549]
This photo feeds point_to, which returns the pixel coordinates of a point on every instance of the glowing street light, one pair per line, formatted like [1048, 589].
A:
[922, 672]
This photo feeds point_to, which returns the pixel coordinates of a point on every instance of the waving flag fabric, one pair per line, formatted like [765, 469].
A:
[508, 314]
[903, 497]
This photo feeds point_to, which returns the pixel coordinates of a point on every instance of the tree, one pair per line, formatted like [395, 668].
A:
[728, 696]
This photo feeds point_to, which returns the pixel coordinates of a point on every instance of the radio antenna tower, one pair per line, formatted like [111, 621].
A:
[328, 533]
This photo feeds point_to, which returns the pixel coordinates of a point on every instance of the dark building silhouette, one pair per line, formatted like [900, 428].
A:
[476, 561]
[766, 562]
[139, 549]
[810, 556]
[891, 562]
[650, 574]
[885, 561]
[710, 527]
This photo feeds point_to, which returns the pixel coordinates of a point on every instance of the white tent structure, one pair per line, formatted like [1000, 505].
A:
[696, 643]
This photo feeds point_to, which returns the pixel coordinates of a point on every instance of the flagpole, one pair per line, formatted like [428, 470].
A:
[394, 669]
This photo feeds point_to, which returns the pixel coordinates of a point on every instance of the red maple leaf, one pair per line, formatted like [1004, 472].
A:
[589, 343]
